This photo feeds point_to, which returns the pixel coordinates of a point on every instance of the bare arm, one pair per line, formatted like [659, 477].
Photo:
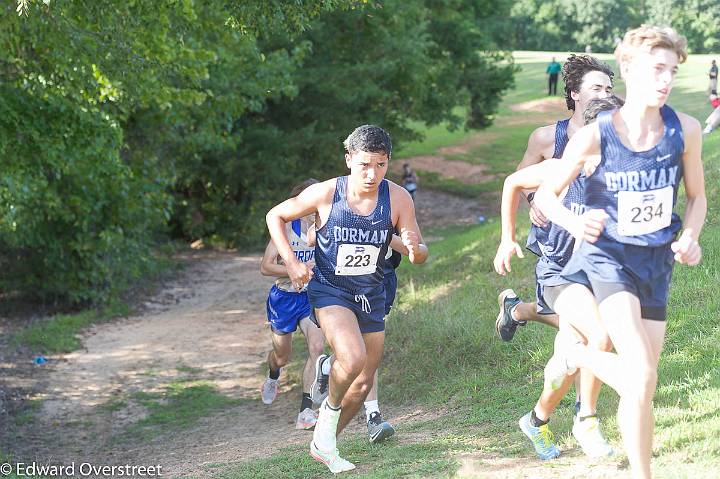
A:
[583, 147]
[687, 250]
[529, 177]
[304, 204]
[407, 225]
[397, 244]
[540, 142]
[269, 265]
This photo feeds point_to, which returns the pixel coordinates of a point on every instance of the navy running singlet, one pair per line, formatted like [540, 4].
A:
[536, 234]
[351, 248]
[638, 190]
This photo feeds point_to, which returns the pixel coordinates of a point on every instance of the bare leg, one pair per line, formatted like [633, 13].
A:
[528, 312]
[578, 309]
[632, 372]
[549, 399]
[373, 394]
[359, 389]
[279, 356]
[315, 340]
[344, 337]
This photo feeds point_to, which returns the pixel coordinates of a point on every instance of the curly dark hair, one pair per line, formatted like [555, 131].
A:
[573, 71]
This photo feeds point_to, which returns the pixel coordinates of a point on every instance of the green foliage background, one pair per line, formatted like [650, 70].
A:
[125, 123]
[572, 24]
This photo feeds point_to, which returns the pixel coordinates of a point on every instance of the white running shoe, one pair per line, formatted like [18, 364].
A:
[269, 390]
[588, 434]
[306, 419]
[331, 459]
[558, 367]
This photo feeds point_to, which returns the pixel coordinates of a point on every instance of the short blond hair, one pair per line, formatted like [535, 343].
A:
[649, 37]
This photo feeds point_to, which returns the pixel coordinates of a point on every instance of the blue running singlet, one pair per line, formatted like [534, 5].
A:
[536, 234]
[350, 250]
[638, 190]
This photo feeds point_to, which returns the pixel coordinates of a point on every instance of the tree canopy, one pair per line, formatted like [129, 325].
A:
[123, 123]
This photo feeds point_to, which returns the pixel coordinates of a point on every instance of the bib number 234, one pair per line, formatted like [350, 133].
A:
[644, 212]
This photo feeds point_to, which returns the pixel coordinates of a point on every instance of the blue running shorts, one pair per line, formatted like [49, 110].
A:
[285, 310]
[608, 267]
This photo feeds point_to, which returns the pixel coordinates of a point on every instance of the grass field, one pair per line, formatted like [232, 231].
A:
[441, 351]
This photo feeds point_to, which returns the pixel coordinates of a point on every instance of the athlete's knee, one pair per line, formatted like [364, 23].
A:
[602, 342]
[353, 363]
[642, 383]
[281, 359]
[315, 348]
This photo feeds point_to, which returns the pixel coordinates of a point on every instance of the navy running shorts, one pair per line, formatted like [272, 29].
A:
[547, 274]
[285, 310]
[608, 267]
[369, 307]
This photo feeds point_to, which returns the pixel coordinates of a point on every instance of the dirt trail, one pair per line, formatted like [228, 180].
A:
[208, 324]
[209, 321]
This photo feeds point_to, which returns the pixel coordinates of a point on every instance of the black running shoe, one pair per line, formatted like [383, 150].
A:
[505, 325]
[379, 430]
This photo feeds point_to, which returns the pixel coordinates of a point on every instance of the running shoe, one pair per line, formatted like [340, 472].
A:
[269, 390]
[319, 388]
[378, 429]
[306, 419]
[588, 434]
[541, 437]
[331, 459]
[505, 325]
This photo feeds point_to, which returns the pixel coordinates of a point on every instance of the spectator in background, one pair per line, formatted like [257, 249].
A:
[713, 73]
[410, 180]
[713, 120]
[553, 70]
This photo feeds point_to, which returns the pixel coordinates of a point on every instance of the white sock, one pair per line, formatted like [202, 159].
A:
[327, 364]
[371, 407]
[325, 434]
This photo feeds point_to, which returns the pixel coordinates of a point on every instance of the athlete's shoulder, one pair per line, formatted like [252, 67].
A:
[398, 194]
[689, 123]
[323, 189]
[543, 137]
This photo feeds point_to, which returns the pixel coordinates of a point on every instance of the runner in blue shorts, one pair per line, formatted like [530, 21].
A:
[288, 310]
[556, 251]
[634, 159]
[356, 216]
[585, 79]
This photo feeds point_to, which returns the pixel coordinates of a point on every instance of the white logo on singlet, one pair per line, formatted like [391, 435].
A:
[662, 158]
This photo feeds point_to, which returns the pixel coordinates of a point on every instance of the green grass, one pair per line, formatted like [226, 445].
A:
[60, 333]
[441, 350]
[179, 406]
[29, 411]
[390, 460]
